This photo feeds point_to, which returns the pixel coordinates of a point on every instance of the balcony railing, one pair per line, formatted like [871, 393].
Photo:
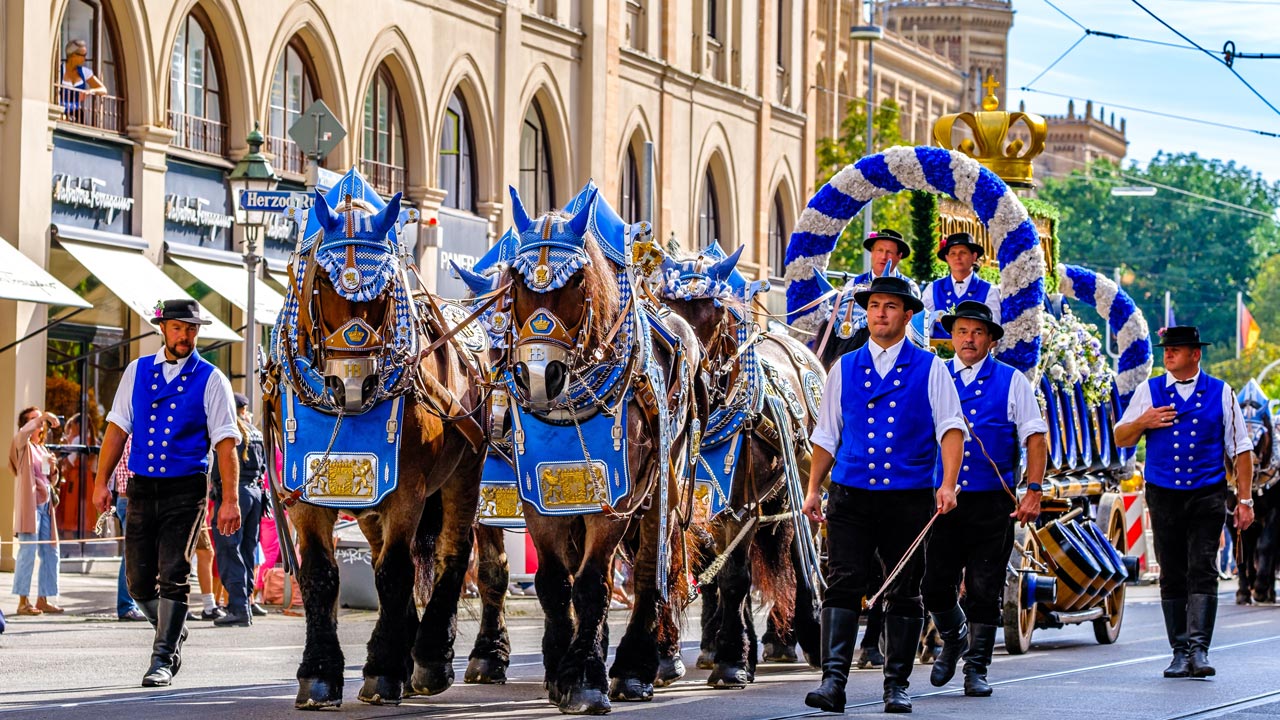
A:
[386, 179]
[198, 134]
[80, 107]
[288, 157]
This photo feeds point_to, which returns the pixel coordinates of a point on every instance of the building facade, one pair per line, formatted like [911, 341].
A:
[1075, 141]
[114, 151]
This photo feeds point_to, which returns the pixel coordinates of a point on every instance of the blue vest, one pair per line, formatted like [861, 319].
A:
[1189, 454]
[170, 426]
[985, 401]
[887, 439]
[944, 297]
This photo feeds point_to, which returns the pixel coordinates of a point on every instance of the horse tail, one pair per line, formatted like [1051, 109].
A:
[773, 573]
[430, 526]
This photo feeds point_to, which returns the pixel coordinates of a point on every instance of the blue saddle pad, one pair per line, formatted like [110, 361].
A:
[564, 472]
[500, 504]
[363, 462]
[713, 478]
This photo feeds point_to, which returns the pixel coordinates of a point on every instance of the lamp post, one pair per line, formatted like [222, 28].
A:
[870, 33]
[252, 173]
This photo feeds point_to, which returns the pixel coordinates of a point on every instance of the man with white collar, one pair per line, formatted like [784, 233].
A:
[961, 254]
[177, 406]
[888, 411]
[888, 250]
[975, 541]
[1193, 424]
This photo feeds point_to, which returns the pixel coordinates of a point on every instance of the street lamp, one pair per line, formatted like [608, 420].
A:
[1134, 191]
[252, 174]
[871, 34]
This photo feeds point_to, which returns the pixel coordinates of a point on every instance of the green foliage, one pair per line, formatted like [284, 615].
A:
[924, 228]
[1264, 293]
[1238, 372]
[1201, 252]
[835, 153]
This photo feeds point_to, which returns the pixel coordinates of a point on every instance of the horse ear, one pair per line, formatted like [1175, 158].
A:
[578, 225]
[479, 284]
[721, 270]
[385, 221]
[517, 210]
[324, 214]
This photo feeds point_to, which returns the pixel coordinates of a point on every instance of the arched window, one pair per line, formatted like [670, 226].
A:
[713, 19]
[195, 88]
[631, 191]
[293, 89]
[382, 157]
[457, 169]
[709, 213]
[778, 237]
[537, 182]
[87, 81]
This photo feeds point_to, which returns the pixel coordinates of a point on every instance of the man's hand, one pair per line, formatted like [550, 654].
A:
[229, 516]
[102, 498]
[1157, 417]
[1029, 509]
[1243, 517]
[813, 507]
[946, 498]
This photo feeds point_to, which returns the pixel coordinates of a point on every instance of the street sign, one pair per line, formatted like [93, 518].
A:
[273, 200]
[318, 131]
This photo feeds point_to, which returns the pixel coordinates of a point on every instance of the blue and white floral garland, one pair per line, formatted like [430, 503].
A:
[935, 170]
[1124, 318]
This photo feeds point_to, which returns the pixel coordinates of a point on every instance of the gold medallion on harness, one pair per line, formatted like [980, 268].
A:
[500, 502]
[347, 477]
[565, 485]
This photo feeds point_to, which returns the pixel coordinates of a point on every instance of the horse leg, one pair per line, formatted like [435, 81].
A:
[636, 662]
[553, 538]
[492, 652]
[320, 672]
[730, 642]
[1246, 553]
[581, 676]
[433, 647]
[1265, 556]
[394, 575]
[670, 665]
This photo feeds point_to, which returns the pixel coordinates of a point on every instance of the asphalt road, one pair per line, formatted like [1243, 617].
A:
[86, 666]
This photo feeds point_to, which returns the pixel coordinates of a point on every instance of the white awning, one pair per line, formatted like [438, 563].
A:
[22, 279]
[231, 282]
[139, 283]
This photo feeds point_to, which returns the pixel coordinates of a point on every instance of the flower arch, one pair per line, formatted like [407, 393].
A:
[1122, 316]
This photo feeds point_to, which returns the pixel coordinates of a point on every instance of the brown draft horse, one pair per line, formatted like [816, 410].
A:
[575, 552]
[420, 533]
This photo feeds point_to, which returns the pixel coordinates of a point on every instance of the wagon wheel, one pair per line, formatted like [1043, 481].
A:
[1106, 629]
[1019, 622]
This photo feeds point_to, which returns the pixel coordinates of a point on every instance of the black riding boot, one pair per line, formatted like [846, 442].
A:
[1202, 610]
[839, 632]
[954, 632]
[1175, 626]
[166, 652]
[902, 642]
[982, 642]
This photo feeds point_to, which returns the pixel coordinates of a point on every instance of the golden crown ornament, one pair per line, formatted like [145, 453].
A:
[991, 145]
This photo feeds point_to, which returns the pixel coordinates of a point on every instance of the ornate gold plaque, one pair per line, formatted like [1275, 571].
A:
[565, 485]
[501, 502]
[344, 476]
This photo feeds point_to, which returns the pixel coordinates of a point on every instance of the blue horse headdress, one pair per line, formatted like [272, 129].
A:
[486, 274]
[710, 275]
[552, 248]
[355, 231]
[609, 230]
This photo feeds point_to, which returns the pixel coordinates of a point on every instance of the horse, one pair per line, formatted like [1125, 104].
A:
[601, 398]
[1256, 547]
[374, 399]
[753, 465]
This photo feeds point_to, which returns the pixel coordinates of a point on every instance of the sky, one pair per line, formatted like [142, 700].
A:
[1181, 82]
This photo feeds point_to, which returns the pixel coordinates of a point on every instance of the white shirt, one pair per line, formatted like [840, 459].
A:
[1232, 418]
[1024, 409]
[960, 286]
[944, 401]
[219, 402]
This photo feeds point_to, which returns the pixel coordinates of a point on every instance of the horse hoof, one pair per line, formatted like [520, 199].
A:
[585, 701]
[431, 679]
[1244, 597]
[485, 671]
[315, 693]
[728, 677]
[669, 670]
[814, 660]
[381, 690]
[630, 690]
[706, 660]
[553, 693]
[778, 653]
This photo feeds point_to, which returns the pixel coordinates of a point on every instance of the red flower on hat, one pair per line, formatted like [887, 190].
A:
[159, 308]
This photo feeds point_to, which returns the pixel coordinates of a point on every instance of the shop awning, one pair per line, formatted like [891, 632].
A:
[139, 283]
[231, 282]
[22, 279]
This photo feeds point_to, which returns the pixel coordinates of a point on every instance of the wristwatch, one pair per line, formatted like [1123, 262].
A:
[1034, 487]
[1247, 502]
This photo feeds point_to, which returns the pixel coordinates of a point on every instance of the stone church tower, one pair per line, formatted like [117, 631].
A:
[972, 34]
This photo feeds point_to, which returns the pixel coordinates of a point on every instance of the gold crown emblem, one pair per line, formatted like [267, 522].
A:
[356, 335]
[991, 145]
[541, 323]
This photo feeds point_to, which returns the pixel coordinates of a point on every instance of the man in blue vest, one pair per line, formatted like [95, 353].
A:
[888, 250]
[177, 406]
[1193, 426]
[961, 254]
[886, 410]
[974, 542]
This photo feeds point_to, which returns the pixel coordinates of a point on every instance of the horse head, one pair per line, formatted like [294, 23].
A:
[566, 298]
[706, 290]
[1256, 408]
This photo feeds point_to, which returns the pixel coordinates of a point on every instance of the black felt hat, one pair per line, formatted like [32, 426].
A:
[1184, 335]
[890, 285]
[960, 239]
[974, 311]
[186, 310]
[888, 234]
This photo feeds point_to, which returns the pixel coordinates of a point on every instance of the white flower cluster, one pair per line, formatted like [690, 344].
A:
[1072, 353]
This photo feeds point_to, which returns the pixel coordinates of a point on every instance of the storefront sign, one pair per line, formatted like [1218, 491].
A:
[463, 239]
[92, 184]
[197, 209]
[87, 192]
[191, 211]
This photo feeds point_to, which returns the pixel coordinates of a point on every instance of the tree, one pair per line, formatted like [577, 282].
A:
[851, 145]
[1238, 372]
[1264, 292]
[1201, 252]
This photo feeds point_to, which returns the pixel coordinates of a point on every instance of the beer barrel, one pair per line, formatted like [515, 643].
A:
[1073, 565]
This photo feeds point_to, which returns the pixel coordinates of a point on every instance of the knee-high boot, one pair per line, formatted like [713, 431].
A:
[902, 642]
[166, 651]
[839, 633]
[982, 642]
[954, 631]
[1175, 626]
[1202, 610]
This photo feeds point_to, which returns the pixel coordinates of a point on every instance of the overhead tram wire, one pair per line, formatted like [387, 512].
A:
[1158, 113]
